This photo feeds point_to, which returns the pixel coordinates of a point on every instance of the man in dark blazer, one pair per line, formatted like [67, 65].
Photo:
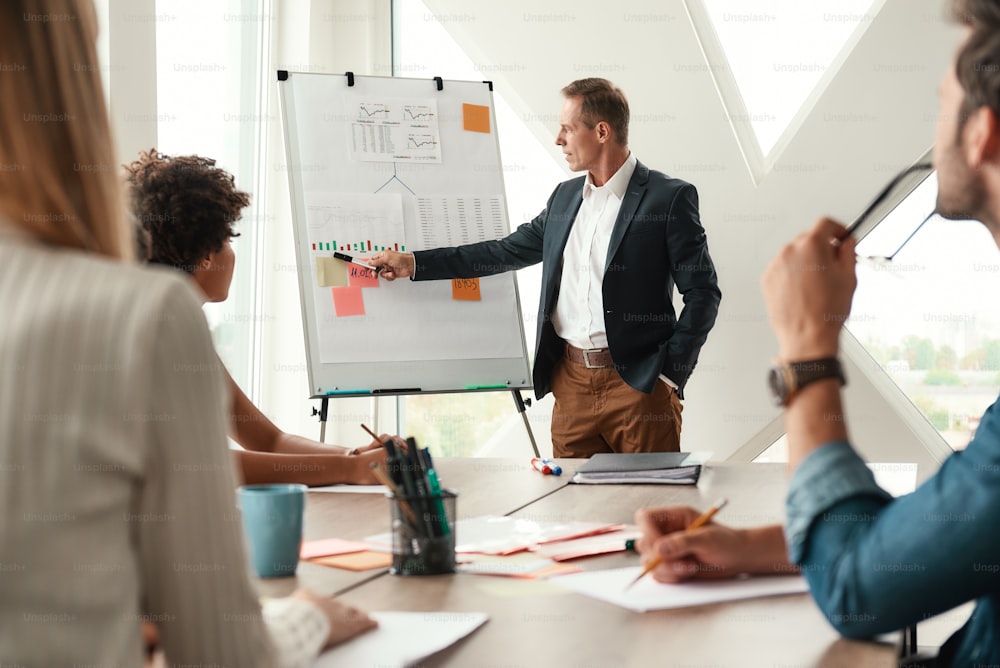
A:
[613, 245]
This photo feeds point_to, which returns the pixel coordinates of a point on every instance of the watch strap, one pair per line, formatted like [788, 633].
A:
[803, 372]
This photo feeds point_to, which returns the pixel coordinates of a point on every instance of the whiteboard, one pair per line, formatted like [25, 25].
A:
[407, 164]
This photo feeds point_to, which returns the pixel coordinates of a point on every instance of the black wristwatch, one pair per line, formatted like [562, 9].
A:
[787, 378]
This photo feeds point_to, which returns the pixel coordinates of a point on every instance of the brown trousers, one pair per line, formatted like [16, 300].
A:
[597, 411]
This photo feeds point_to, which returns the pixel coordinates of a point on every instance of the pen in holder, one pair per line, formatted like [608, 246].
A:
[423, 533]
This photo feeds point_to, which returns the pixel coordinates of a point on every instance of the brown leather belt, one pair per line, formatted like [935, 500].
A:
[592, 358]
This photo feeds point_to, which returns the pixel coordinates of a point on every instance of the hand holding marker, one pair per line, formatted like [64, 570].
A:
[546, 466]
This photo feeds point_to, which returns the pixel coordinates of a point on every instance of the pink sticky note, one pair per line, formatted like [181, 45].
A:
[360, 276]
[348, 301]
[329, 547]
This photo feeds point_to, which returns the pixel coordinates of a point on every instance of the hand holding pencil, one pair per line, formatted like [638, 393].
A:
[681, 543]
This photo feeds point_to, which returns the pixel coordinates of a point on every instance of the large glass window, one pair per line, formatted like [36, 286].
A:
[460, 424]
[210, 96]
[929, 317]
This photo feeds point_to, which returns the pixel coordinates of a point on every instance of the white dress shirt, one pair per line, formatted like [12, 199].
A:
[579, 314]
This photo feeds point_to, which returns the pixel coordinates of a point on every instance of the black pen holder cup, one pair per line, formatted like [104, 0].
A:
[423, 534]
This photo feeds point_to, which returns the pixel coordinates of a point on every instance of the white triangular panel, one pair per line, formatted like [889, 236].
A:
[771, 60]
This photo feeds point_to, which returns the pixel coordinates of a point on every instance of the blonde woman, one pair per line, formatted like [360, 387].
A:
[116, 486]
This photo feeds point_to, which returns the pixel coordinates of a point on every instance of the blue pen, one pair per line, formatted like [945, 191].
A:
[556, 469]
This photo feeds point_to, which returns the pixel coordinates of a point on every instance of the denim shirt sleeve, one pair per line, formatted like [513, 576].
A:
[814, 490]
[876, 564]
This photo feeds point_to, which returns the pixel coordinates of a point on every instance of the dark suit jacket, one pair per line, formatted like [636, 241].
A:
[657, 243]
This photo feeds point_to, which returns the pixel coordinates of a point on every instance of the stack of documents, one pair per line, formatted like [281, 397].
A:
[645, 467]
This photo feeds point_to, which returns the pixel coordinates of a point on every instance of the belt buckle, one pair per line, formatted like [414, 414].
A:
[586, 358]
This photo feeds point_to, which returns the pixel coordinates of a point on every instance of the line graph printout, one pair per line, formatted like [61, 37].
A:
[454, 221]
[396, 130]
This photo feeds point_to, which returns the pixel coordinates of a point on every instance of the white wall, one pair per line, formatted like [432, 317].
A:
[878, 111]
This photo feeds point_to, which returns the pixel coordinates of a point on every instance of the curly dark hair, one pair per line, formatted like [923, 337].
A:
[185, 207]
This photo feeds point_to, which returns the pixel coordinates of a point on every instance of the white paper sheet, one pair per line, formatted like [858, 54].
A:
[648, 594]
[352, 489]
[455, 221]
[491, 534]
[402, 639]
[396, 130]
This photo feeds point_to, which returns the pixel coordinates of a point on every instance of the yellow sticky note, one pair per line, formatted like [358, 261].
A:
[330, 271]
[476, 118]
[465, 289]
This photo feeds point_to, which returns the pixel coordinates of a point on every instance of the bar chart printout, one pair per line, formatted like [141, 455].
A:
[355, 223]
[358, 225]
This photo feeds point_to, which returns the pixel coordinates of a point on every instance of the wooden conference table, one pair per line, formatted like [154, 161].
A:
[535, 623]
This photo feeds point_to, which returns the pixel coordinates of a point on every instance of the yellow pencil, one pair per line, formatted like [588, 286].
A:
[699, 521]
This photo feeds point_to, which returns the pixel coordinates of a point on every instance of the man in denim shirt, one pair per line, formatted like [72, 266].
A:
[874, 564]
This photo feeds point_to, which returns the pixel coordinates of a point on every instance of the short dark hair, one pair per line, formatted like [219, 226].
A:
[978, 64]
[602, 101]
[185, 207]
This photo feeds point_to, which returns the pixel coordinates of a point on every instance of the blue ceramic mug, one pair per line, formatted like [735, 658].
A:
[272, 521]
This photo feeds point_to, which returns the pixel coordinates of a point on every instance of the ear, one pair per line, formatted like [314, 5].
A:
[603, 131]
[982, 143]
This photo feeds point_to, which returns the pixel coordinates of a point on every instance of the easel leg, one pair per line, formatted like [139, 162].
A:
[324, 406]
[520, 403]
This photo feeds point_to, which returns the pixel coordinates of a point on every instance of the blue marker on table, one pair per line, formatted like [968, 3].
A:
[546, 466]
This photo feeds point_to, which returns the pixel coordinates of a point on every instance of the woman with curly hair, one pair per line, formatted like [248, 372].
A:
[186, 208]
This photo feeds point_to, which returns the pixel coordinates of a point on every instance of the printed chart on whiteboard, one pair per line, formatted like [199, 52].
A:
[396, 130]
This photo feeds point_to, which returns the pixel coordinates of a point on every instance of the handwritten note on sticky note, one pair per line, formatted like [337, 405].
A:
[348, 301]
[330, 271]
[475, 118]
[361, 276]
[465, 289]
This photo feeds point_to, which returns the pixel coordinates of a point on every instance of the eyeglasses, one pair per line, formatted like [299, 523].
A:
[879, 199]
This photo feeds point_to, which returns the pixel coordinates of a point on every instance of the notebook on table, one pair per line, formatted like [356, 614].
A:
[665, 468]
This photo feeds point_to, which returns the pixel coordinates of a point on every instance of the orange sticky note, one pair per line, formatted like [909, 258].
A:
[348, 301]
[476, 118]
[465, 289]
[329, 547]
[360, 276]
[359, 561]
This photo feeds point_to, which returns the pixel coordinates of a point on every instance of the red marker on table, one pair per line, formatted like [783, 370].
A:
[546, 466]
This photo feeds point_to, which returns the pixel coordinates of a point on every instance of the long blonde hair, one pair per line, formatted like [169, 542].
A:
[58, 174]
